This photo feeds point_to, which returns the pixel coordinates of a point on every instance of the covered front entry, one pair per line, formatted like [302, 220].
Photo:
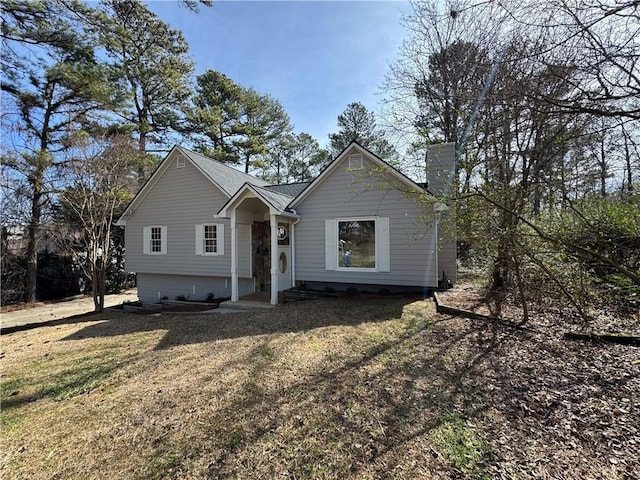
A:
[261, 261]
[261, 240]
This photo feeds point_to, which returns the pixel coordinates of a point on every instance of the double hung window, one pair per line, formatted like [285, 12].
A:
[210, 239]
[154, 240]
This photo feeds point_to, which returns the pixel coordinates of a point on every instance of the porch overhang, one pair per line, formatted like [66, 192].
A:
[274, 201]
[247, 203]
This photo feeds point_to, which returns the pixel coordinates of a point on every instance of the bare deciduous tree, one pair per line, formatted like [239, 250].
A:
[100, 181]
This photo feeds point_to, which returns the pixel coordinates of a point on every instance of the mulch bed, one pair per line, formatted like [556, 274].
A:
[181, 307]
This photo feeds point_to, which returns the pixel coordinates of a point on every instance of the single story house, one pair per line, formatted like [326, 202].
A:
[199, 228]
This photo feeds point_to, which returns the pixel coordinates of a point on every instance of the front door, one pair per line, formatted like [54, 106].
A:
[261, 245]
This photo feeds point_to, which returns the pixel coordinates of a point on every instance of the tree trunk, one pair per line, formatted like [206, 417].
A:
[627, 156]
[603, 171]
[94, 286]
[142, 147]
[32, 233]
[98, 284]
[521, 290]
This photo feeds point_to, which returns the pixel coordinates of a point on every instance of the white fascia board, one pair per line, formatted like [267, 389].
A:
[288, 215]
[249, 191]
[224, 210]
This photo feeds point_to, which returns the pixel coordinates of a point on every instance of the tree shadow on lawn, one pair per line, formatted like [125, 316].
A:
[184, 329]
[368, 415]
[357, 418]
[350, 418]
[362, 415]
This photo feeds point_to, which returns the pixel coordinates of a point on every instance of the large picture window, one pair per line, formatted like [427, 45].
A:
[357, 244]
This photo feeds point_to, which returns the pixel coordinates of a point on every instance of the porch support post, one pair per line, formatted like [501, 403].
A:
[274, 260]
[234, 258]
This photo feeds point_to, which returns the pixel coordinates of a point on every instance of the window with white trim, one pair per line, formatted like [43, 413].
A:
[210, 239]
[357, 244]
[154, 240]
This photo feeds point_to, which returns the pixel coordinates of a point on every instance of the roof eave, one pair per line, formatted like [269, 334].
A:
[146, 187]
[273, 210]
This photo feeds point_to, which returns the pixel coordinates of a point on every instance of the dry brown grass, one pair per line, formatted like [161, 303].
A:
[357, 388]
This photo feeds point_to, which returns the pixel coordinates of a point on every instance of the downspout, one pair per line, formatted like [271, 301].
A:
[274, 259]
[293, 251]
[234, 258]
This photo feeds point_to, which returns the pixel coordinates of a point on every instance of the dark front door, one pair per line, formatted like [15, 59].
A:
[261, 244]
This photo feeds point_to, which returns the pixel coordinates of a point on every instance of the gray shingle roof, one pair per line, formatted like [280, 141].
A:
[291, 189]
[227, 178]
[277, 199]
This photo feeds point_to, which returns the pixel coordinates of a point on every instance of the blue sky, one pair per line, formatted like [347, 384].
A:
[315, 57]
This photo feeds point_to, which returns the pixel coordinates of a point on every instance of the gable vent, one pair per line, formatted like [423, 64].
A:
[355, 162]
[180, 161]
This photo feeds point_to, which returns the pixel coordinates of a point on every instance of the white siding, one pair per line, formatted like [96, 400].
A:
[244, 250]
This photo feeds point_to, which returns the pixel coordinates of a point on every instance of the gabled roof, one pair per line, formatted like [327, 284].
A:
[333, 165]
[227, 179]
[277, 202]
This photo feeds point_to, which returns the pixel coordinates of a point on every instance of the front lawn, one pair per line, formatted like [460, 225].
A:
[351, 388]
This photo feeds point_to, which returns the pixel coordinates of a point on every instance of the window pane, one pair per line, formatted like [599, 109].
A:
[357, 244]
[210, 239]
[156, 239]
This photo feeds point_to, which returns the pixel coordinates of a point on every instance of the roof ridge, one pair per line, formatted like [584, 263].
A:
[265, 187]
[218, 162]
[290, 183]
